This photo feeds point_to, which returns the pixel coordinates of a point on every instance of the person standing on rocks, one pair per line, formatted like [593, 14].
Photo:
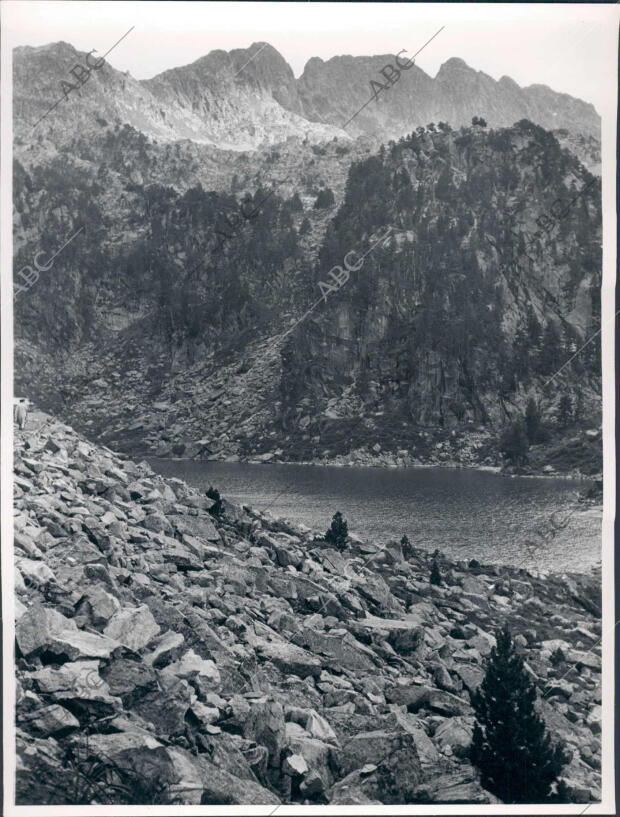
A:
[20, 413]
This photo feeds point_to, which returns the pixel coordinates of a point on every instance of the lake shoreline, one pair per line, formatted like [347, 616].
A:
[576, 476]
[475, 514]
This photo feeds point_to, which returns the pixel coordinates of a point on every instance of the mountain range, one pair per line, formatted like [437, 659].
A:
[248, 97]
[166, 341]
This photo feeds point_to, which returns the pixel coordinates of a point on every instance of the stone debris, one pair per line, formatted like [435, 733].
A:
[235, 659]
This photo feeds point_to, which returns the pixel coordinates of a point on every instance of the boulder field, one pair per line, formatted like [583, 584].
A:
[165, 654]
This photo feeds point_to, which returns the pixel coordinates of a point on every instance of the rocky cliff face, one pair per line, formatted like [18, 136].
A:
[479, 296]
[334, 90]
[463, 308]
[487, 284]
[172, 651]
[237, 100]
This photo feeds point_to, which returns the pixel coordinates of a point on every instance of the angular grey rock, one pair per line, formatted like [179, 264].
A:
[52, 720]
[290, 658]
[133, 627]
[166, 649]
[45, 629]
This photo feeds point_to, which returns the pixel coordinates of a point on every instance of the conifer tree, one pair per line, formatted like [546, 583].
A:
[511, 746]
[533, 421]
[324, 199]
[296, 203]
[214, 494]
[565, 411]
[338, 532]
[514, 442]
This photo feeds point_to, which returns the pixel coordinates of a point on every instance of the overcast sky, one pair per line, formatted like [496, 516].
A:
[570, 48]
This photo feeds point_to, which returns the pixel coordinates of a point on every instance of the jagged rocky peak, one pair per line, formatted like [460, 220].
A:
[454, 65]
[249, 96]
[259, 67]
[237, 100]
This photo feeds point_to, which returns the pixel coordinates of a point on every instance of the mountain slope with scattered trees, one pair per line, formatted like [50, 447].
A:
[475, 275]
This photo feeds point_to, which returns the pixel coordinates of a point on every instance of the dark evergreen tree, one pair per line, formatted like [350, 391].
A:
[214, 494]
[514, 443]
[511, 747]
[550, 355]
[533, 326]
[338, 532]
[296, 203]
[533, 421]
[435, 577]
[565, 411]
[324, 199]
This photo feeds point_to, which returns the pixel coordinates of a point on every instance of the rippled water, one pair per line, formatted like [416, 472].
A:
[468, 514]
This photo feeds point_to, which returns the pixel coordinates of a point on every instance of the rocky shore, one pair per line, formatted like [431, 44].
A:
[223, 411]
[169, 650]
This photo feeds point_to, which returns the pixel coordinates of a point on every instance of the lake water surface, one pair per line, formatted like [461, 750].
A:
[468, 514]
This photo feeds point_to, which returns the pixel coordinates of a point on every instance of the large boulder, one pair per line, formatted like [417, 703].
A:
[389, 773]
[168, 773]
[413, 696]
[166, 705]
[454, 736]
[471, 676]
[359, 788]
[377, 747]
[43, 629]
[166, 649]
[454, 787]
[316, 725]
[99, 606]
[265, 725]
[51, 720]
[201, 673]
[129, 680]
[320, 758]
[200, 526]
[79, 686]
[290, 658]
[220, 788]
[134, 627]
[344, 650]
